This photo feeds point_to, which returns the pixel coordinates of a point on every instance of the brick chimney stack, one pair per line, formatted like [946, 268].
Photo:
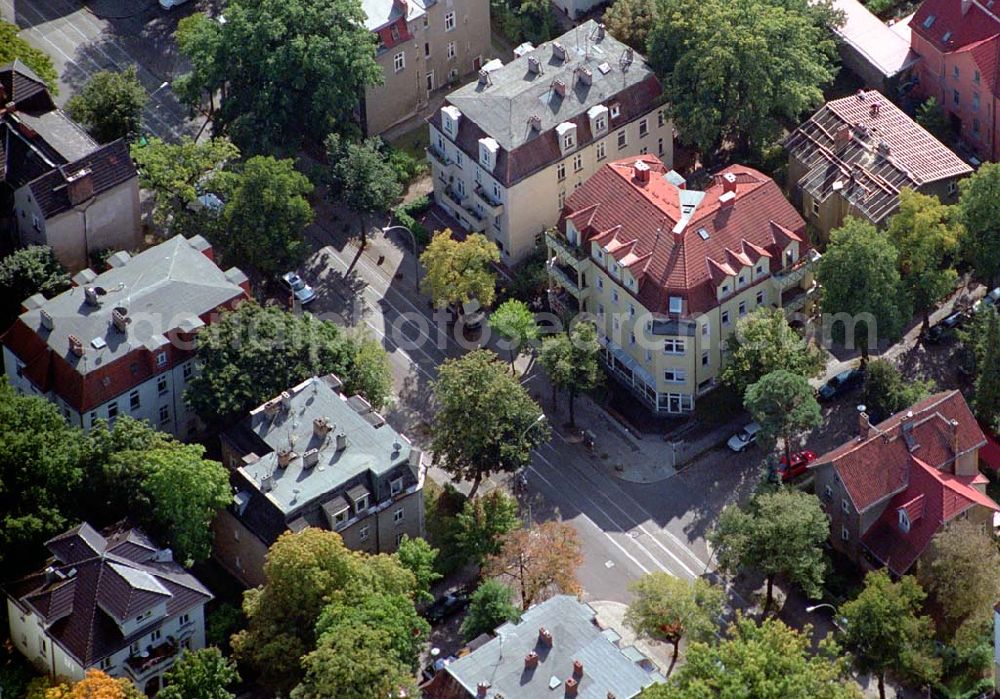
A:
[729, 183]
[545, 637]
[641, 172]
[481, 690]
[572, 687]
[531, 661]
[954, 437]
[577, 669]
[864, 424]
[80, 186]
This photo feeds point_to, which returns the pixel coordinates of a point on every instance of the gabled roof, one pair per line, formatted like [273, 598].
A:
[875, 468]
[95, 582]
[866, 149]
[688, 243]
[22, 87]
[937, 19]
[109, 166]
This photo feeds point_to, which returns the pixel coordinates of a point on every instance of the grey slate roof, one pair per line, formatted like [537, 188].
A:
[575, 636]
[98, 581]
[502, 107]
[161, 287]
[300, 496]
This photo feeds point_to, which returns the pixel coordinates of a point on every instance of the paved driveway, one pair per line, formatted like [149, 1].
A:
[84, 38]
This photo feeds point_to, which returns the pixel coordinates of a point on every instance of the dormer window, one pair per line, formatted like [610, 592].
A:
[725, 289]
[743, 280]
[488, 149]
[676, 304]
[904, 521]
[449, 120]
[616, 111]
[394, 31]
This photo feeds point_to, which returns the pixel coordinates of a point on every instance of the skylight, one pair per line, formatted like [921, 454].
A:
[703, 233]
[946, 37]
[929, 22]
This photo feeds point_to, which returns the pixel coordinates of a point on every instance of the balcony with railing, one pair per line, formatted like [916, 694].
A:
[487, 201]
[436, 156]
[456, 200]
[568, 254]
[142, 665]
[795, 274]
[567, 278]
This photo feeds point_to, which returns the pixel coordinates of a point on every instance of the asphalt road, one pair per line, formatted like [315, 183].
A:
[81, 44]
[626, 529]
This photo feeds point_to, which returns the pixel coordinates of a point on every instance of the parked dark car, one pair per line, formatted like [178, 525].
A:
[844, 382]
[945, 329]
[800, 464]
[445, 606]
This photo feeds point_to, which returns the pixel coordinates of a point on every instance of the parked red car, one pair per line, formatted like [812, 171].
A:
[800, 461]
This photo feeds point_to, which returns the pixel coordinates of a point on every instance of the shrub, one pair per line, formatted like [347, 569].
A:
[405, 215]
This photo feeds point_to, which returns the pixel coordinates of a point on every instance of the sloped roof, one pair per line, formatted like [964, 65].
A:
[165, 288]
[932, 499]
[883, 47]
[23, 87]
[637, 221]
[866, 149]
[878, 467]
[980, 21]
[109, 166]
[98, 581]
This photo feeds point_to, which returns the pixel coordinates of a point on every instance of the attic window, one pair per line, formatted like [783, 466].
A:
[676, 304]
[703, 233]
[929, 22]
[946, 38]
[904, 521]
[616, 110]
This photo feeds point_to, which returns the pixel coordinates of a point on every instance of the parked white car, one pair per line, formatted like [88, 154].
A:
[745, 438]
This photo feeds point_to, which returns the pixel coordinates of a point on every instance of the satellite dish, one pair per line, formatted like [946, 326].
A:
[100, 291]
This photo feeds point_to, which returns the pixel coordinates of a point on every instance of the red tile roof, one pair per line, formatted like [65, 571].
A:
[635, 223]
[877, 467]
[932, 499]
[976, 24]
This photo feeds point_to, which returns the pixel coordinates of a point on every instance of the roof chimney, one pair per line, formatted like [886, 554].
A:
[600, 31]
[484, 76]
[577, 669]
[481, 689]
[90, 296]
[864, 424]
[728, 183]
[641, 172]
[310, 458]
[558, 50]
[585, 75]
[572, 687]
[286, 400]
[76, 345]
[534, 67]
[79, 186]
[966, 4]
[842, 137]
[47, 321]
[285, 456]
[727, 199]
[341, 441]
[119, 316]
[545, 637]
[954, 437]
[321, 427]
[531, 661]
[559, 87]
[875, 108]
[272, 407]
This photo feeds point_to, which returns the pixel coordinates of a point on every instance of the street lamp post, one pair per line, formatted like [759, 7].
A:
[164, 84]
[416, 256]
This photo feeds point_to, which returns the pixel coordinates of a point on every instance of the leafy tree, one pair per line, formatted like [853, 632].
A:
[486, 420]
[286, 70]
[369, 371]
[96, 685]
[110, 105]
[516, 324]
[765, 661]
[979, 214]
[200, 674]
[305, 572]
[186, 491]
[860, 278]
[39, 501]
[200, 39]
[459, 270]
[926, 238]
[987, 396]
[572, 361]
[883, 630]
[778, 533]
[236, 353]
[541, 561]
[630, 21]
[177, 173]
[666, 608]
[784, 406]
[764, 342]
[887, 392]
[363, 177]
[490, 606]
[931, 116]
[417, 556]
[221, 623]
[13, 47]
[483, 523]
[26, 272]
[737, 71]
[962, 573]
[266, 215]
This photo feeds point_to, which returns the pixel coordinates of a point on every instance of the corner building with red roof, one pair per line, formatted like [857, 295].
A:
[667, 271]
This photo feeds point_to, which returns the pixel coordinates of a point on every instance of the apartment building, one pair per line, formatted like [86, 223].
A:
[959, 45]
[666, 271]
[58, 187]
[854, 155]
[423, 45]
[114, 602]
[896, 484]
[508, 150]
[122, 342]
[314, 457]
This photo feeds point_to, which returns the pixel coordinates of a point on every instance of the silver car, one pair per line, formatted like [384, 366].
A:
[745, 438]
[302, 292]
